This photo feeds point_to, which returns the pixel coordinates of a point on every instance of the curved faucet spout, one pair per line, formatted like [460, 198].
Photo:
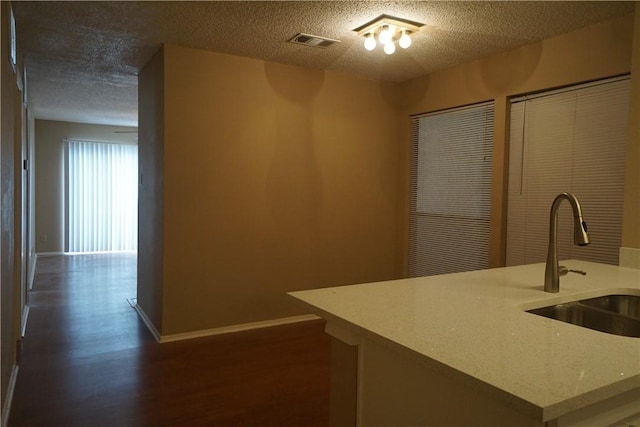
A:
[580, 238]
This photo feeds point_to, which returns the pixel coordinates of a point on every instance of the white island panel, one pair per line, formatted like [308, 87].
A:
[473, 329]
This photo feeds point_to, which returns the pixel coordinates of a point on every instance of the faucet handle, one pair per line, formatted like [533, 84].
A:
[562, 271]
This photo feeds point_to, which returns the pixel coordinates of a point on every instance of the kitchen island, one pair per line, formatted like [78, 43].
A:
[461, 350]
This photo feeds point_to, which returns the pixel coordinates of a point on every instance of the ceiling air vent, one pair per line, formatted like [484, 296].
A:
[313, 41]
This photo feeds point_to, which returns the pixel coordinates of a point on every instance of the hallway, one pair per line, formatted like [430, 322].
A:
[87, 359]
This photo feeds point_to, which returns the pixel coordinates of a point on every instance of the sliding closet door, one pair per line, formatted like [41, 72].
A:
[567, 141]
[451, 190]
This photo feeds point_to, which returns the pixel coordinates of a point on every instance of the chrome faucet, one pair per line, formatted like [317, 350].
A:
[580, 237]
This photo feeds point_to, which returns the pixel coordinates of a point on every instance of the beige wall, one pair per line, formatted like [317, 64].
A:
[276, 178]
[595, 52]
[13, 250]
[8, 131]
[49, 174]
[631, 218]
[150, 190]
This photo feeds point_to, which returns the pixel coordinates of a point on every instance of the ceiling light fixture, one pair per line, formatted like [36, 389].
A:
[405, 40]
[388, 30]
[370, 42]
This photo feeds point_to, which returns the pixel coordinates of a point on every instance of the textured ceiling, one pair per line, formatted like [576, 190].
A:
[83, 58]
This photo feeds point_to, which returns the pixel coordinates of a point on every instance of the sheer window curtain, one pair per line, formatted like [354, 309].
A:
[102, 197]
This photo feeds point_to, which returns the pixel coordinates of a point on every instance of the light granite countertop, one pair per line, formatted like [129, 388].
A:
[473, 326]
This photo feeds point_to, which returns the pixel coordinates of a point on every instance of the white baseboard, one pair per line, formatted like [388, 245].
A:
[219, 331]
[237, 328]
[43, 254]
[25, 317]
[148, 323]
[100, 253]
[629, 257]
[32, 271]
[6, 408]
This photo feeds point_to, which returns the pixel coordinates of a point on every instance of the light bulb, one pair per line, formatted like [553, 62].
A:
[385, 35]
[389, 48]
[370, 42]
[405, 40]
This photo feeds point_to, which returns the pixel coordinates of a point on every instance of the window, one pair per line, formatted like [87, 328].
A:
[102, 197]
[572, 140]
[451, 190]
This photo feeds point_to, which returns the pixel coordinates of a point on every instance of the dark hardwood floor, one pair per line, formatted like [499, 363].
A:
[87, 360]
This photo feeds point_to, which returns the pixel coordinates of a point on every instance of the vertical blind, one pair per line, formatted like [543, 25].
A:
[102, 197]
[450, 190]
[567, 141]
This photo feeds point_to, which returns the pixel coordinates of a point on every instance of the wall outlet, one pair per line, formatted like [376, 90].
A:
[44, 238]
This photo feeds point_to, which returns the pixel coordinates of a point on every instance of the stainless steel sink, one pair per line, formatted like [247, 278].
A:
[614, 314]
[626, 305]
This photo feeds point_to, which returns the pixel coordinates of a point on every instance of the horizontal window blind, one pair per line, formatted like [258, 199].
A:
[102, 197]
[450, 190]
[572, 141]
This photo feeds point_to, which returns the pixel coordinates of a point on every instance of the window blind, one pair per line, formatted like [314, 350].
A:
[450, 190]
[102, 197]
[571, 140]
